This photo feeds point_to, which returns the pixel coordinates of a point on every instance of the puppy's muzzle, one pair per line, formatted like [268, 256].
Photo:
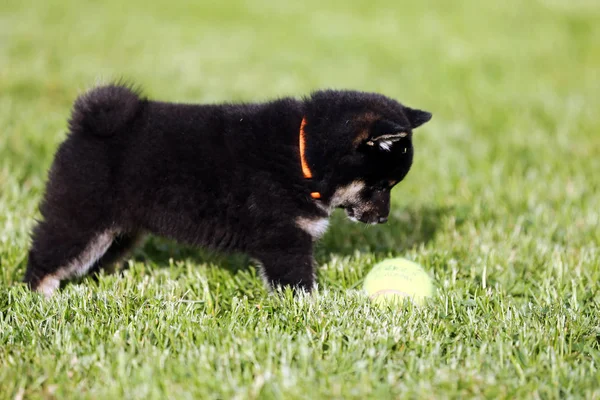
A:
[366, 217]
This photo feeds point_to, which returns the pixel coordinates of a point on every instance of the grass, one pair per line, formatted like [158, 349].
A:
[502, 206]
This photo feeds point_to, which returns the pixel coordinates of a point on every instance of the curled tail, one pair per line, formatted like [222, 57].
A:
[104, 110]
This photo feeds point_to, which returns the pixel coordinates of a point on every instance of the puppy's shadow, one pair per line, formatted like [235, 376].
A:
[405, 229]
[159, 252]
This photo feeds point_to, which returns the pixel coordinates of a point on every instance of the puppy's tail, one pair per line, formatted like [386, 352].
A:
[104, 110]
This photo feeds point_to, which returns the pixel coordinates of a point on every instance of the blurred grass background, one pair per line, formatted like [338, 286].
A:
[501, 206]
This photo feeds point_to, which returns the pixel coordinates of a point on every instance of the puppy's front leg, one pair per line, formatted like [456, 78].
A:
[285, 269]
[290, 264]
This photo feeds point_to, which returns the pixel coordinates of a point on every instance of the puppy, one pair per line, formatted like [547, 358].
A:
[261, 179]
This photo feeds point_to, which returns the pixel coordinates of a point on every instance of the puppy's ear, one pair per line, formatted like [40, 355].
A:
[383, 134]
[385, 142]
[416, 117]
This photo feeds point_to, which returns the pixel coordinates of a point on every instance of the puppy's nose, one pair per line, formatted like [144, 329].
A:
[383, 220]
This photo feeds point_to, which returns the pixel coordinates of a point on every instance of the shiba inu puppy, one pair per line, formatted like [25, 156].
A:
[260, 179]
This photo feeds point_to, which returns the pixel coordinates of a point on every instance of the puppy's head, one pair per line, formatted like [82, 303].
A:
[360, 147]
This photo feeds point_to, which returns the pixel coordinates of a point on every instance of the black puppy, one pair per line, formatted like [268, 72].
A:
[255, 178]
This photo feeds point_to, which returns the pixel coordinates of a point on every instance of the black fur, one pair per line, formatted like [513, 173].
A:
[226, 176]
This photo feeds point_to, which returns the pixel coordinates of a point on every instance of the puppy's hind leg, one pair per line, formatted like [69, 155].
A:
[122, 245]
[60, 253]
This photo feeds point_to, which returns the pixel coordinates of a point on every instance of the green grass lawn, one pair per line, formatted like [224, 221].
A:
[502, 206]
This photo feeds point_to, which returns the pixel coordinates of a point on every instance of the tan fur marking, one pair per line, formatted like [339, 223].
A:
[48, 285]
[365, 119]
[314, 227]
[347, 194]
[361, 137]
[79, 266]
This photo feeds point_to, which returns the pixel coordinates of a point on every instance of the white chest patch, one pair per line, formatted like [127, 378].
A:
[314, 227]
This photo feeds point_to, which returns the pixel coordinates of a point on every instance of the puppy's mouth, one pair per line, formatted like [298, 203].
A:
[364, 217]
[350, 213]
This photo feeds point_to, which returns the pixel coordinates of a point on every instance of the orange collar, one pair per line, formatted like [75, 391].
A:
[305, 168]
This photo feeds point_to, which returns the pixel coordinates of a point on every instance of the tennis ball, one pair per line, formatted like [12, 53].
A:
[396, 279]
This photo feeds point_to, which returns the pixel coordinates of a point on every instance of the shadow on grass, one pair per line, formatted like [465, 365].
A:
[159, 251]
[405, 229]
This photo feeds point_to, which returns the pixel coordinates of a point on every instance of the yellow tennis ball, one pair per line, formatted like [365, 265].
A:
[396, 279]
